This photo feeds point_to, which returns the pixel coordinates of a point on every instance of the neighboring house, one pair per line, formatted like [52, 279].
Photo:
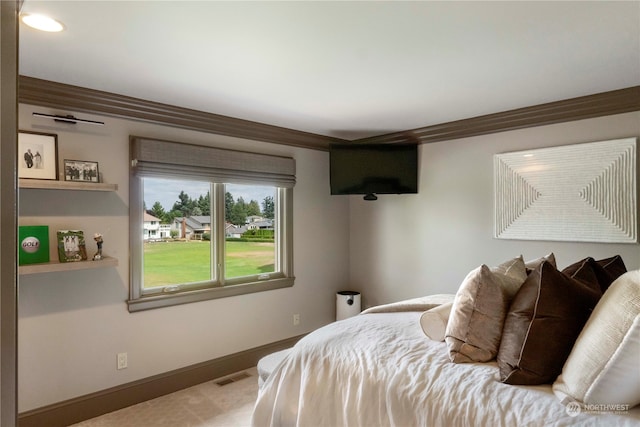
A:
[165, 231]
[264, 224]
[254, 218]
[151, 227]
[192, 227]
[234, 231]
[230, 230]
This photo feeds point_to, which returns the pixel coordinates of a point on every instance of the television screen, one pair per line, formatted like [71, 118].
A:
[373, 169]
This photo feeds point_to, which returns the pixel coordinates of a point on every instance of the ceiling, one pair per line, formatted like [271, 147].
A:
[342, 69]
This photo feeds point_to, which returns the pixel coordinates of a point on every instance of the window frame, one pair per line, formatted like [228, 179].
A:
[219, 287]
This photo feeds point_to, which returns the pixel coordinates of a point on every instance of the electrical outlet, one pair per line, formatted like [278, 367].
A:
[296, 319]
[122, 360]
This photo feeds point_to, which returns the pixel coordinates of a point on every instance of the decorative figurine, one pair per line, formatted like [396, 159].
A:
[98, 238]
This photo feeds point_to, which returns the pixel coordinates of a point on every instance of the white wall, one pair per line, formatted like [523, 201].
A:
[72, 324]
[412, 245]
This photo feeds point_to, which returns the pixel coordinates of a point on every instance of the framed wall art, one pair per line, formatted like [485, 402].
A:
[71, 245]
[37, 155]
[81, 171]
[578, 193]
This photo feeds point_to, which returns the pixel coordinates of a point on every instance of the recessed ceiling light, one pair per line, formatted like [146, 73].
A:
[42, 23]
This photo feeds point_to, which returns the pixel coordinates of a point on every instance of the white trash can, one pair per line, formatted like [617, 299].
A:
[347, 304]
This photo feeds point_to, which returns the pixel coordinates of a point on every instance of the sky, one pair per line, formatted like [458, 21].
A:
[166, 191]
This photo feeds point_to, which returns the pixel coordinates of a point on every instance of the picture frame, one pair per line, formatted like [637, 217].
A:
[575, 193]
[71, 245]
[81, 171]
[37, 155]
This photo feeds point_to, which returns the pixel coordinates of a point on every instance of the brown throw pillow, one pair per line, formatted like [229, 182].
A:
[579, 268]
[477, 316]
[606, 270]
[612, 268]
[544, 320]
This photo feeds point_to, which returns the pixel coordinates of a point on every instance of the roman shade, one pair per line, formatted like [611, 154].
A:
[152, 157]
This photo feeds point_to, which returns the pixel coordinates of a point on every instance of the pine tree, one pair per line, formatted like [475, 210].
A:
[268, 210]
[239, 212]
[204, 204]
[158, 211]
[253, 208]
[184, 204]
[228, 205]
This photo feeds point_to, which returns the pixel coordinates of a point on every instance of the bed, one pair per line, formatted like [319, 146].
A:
[379, 369]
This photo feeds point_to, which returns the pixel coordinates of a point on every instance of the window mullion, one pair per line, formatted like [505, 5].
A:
[136, 229]
[218, 238]
[278, 227]
[285, 219]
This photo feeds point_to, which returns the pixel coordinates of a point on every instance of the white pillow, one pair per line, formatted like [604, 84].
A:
[603, 365]
[434, 321]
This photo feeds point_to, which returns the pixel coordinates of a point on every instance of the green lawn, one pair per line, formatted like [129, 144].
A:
[167, 263]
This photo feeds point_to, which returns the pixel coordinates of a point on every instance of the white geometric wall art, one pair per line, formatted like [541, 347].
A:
[579, 193]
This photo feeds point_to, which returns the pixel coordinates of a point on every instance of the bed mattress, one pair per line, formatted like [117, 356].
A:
[379, 369]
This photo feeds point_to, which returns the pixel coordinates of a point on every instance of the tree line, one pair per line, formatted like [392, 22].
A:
[236, 211]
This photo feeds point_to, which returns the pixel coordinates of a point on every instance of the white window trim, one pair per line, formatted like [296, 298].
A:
[219, 288]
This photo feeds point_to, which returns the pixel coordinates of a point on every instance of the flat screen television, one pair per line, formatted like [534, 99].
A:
[372, 169]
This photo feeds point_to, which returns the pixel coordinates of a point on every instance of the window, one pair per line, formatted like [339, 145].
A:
[201, 230]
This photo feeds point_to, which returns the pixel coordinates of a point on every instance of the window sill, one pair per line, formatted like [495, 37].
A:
[167, 300]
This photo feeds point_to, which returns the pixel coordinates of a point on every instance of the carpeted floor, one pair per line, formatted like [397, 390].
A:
[204, 405]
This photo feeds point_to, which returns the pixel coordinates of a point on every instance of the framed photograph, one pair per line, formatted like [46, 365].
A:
[81, 171]
[71, 246]
[37, 155]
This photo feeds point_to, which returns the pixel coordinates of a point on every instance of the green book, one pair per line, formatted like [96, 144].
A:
[34, 244]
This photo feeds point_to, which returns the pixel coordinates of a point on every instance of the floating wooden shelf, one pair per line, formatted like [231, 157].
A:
[67, 266]
[65, 185]
[45, 184]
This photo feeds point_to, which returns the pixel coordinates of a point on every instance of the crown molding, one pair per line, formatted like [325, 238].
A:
[50, 94]
[584, 107]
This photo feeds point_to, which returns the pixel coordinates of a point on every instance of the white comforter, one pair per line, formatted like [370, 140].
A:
[379, 369]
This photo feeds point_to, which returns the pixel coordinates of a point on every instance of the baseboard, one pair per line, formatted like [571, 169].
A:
[92, 405]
